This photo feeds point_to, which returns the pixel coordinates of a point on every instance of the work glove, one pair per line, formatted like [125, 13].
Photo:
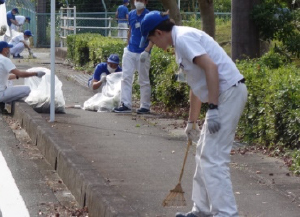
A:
[213, 120]
[40, 74]
[144, 55]
[192, 133]
[103, 78]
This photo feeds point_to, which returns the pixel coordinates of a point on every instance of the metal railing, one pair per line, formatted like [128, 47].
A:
[69, 23]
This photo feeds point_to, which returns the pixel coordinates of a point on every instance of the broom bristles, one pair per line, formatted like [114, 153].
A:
[175, 197]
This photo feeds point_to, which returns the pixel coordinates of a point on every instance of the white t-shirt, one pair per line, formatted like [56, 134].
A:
[20, 19]
[15, 40]
[6, 66]
[190, 43]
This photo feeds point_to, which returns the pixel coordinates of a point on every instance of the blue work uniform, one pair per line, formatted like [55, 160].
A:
[9, 16]
[136, 35]
[122, 12]
[99, 70]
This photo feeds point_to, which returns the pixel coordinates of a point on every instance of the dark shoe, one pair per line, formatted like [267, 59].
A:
[18, 56]
[122, 109]
[189, 214]
[2, 109]
[143, 111]
[2, 106]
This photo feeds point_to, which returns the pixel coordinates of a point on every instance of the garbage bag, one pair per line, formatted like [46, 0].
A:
[40, 95]
[109, 97]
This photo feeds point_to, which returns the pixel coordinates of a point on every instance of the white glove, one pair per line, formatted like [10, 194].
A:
[40, 74]
[144, 55]
[191, 133]
[103, 78]
[213, 120]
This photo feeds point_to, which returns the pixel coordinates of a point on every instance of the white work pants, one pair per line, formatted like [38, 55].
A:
[17, 49]
[212, 188]
[122, 33]
[14, 93]
[131, 63]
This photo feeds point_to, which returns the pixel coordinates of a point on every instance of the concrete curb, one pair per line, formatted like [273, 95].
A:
[86, 184]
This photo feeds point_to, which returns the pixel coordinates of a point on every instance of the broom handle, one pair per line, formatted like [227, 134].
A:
[185, 157]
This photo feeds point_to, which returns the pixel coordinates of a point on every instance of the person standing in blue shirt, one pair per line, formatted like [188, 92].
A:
[122, 17]
[11, 19]
[136, 59]
[102, 70]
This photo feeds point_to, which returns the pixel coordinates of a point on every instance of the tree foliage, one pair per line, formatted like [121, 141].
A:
[276, 22]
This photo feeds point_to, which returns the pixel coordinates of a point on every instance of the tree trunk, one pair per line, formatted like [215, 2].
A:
[207, 16]
[41, 23]
[245, 36]
[174, 11]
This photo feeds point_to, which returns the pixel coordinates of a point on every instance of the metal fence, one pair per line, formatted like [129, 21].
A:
[26, 8]
[103, 23]
[86, 22]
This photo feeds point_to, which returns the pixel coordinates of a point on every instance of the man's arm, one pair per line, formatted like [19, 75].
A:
[14, 22]
[149, 47]
[212, 76]
[23, 74]
[96, 84]
[195, 107]
[128, 34]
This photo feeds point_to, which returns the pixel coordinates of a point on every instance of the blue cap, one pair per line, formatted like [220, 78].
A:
[4, 44]
[28, 32]
[28, 18]
[113, 58]
[149, 22]
[125, 1]
[16, 10]
[2, 2]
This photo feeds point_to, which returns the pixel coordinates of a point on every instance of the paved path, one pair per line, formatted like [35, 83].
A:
[124, 165]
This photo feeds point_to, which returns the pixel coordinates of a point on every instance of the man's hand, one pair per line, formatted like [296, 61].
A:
[144, 55]
[40, 74]
[213, 120]
[192, 133]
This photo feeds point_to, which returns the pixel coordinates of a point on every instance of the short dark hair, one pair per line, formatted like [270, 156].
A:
[166, 25]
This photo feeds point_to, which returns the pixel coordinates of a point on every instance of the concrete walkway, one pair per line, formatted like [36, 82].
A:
[125, 165]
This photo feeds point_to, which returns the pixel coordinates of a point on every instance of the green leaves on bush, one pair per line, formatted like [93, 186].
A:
[90, 49]
[272, 113]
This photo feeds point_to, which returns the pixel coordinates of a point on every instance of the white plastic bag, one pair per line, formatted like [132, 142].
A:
[109, 97]
[39, 97]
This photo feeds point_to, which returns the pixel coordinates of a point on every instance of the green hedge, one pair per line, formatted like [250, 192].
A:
[272, 113]
[90, 49]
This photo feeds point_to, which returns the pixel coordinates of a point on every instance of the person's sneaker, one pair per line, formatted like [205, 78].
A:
[143, 111]
[2, 109]
[122, 109]
[18, 56]
[191, 214]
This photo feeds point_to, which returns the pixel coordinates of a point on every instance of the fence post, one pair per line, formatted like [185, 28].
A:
[60, 29]
[68, 20]
[65, 30]
[109, 26]
[74, 17]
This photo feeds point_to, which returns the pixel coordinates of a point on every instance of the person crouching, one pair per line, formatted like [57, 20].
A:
[20, 42]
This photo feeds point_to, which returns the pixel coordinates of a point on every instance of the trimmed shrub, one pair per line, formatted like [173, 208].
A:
[272, 113]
